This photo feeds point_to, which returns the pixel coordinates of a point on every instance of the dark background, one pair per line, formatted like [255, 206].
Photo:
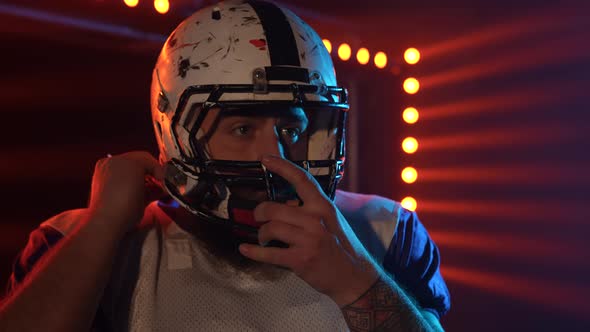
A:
[504, 143]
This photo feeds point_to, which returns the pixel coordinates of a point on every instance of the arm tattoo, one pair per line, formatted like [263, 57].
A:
[383, 308]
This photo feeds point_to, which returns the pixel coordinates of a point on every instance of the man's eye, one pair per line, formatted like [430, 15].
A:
[291, 134]
[241, 130]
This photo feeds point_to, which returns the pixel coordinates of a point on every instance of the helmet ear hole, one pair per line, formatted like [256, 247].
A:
[158, 129]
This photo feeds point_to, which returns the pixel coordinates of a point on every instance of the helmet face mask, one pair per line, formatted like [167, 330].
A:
[218, 190]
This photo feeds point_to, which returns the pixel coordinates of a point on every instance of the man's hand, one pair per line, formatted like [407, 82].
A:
[117, 201]
[323, 249]
[120, 187]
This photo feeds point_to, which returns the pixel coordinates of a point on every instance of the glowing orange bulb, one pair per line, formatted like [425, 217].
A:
[328, 45]
[131, 3]
[411, 85]
[380, 60]
[409, 203]
[162, 6]
[411, 115]
[344, 52]
[409, 175]
[412, 56]
[363, 56]
[410, 145]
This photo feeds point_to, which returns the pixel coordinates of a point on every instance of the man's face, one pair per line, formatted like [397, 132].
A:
[248, 135]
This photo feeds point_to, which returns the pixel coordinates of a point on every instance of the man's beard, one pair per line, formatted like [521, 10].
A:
[221, 245]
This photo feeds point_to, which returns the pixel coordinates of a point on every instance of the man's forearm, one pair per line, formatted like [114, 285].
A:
[384, 307]
[64, 289]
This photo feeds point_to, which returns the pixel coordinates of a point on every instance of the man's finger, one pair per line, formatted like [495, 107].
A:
[154, 189]
[147, 161]
[276, 230]
[295, 216]
[306, 186]
[270, 255]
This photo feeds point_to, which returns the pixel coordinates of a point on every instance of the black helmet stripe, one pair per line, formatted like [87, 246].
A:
[280, 40]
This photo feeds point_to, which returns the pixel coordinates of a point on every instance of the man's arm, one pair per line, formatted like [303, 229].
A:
[412, 260]
[63, 290]
[432, 320]
[385, 307]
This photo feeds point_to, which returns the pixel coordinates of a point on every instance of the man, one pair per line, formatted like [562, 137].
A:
[249, 232]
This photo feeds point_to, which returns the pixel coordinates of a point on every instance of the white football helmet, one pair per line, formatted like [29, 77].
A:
[243, 55]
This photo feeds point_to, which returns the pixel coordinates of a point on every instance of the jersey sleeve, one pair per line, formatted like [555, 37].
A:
[413, 260]
[41, 240]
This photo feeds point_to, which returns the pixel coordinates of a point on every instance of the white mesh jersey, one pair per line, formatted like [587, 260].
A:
[163, 280]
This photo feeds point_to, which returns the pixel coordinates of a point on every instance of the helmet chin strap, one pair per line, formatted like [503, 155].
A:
[241, 211]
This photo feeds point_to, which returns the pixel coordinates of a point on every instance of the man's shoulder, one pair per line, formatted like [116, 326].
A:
[65, 222]
[365, 206]
[374, 219]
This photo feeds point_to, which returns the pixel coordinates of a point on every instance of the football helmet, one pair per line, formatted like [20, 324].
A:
[250, 56]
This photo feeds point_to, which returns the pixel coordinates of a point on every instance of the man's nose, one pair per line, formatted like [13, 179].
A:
[270, 143]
